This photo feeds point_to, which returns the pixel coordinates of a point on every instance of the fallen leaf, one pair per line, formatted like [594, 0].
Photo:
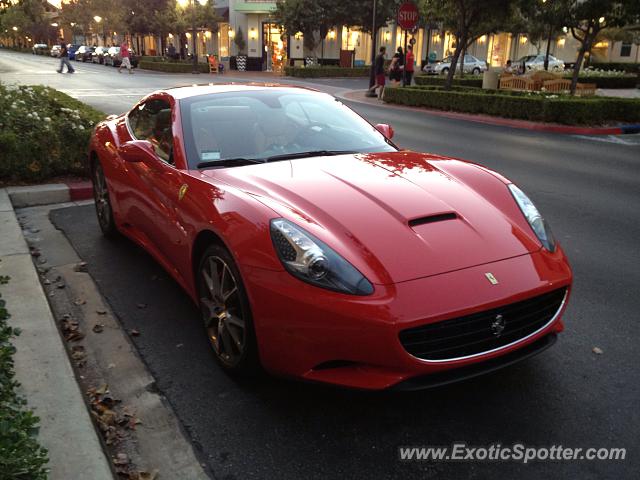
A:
[104, 388]
[79, 302]
[35, 253]
[141, 305]
[111, 365]
[121, 459]
[597, 351]
[47, 282]
[80, 267]
[98, 328]
[60, 285]
[101, 312]
[134, 332]
[180, 345]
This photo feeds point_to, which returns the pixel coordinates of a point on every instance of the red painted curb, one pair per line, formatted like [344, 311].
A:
[80, 191]
[497, 121]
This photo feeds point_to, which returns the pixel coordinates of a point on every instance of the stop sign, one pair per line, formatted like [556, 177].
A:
[408, 16]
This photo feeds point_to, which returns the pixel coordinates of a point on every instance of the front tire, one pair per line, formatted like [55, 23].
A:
[102, 201]
[226, 312]
[445, 71]
[476, 71]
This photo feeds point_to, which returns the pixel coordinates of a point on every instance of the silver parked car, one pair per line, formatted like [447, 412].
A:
[471, 65]
[55, 51]
[536, 62]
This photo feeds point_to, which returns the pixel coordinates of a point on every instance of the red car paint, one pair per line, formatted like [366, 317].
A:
[361, 206]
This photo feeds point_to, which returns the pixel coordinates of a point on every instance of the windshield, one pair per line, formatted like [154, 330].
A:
[264, 125]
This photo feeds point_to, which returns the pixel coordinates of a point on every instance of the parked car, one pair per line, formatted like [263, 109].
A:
[471, 65]
[39, 48]
[84, 53]
[71, 49]
[55, 51]
[536, 62]
[98, 54]
[114, 59]
[318, 249]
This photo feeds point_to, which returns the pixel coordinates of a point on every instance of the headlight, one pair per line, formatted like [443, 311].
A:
[538, 224]
[312, 261]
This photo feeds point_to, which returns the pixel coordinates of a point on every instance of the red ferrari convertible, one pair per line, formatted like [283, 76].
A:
[318, 249]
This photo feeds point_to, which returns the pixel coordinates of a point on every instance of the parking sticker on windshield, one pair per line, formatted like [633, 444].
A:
[207, 156]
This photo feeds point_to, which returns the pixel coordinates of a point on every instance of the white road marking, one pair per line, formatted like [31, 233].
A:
[632, 140]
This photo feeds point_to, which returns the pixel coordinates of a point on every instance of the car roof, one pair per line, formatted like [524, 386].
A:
[195, 90]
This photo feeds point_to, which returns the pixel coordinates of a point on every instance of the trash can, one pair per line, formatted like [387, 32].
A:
[490, 79]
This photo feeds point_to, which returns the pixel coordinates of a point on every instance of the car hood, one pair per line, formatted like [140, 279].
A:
[395, 216]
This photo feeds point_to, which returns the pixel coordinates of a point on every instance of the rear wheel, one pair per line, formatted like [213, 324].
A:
[226, 312]
[476, 71]
[104, 211]
[445, 71]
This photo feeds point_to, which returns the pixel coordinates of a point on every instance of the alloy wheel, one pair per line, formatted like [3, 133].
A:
[101, 198]
[222, 311]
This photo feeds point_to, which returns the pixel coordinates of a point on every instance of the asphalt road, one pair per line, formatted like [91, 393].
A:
[589, 190]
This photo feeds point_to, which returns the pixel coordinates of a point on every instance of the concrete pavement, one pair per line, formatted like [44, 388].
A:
[42, 367]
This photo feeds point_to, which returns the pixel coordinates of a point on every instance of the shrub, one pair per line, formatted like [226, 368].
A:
[326, 71]
[172, 67]
[21, 456]
[43, 133]
[607, 79]
[521, 105]
[625, 67]
[468, 81]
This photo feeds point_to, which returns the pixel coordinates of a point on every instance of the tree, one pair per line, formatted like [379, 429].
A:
[240, 42]
[588, 18]
[467, 20]
[542, 20]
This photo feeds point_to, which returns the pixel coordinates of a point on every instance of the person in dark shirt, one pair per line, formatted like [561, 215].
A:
[64, 58]
[379, 71]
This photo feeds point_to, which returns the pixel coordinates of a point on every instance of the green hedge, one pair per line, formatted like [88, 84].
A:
[43, 133]
[468, 81]
[326, 71]
[626, 81]
[625, 67]
[172, 67]
[561, 109]
[21, 457]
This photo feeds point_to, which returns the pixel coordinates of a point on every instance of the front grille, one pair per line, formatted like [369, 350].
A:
[483, 331]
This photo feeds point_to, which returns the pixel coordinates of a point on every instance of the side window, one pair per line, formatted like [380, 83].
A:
[152, 121]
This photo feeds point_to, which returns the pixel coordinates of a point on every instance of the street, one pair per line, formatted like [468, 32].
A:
[588, 188]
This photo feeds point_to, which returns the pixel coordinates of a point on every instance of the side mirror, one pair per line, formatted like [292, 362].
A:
[385, 129]
[137, 151]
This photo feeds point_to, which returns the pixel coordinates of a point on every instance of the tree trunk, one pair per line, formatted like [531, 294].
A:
[578, 65]
[463, 54]
[546, 57]
[454, 63]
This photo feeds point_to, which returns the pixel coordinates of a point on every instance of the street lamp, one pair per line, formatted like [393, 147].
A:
[192, 3]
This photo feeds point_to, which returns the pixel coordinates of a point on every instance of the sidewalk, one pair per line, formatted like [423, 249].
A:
[42, 365]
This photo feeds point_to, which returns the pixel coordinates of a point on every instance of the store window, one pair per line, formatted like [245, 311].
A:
[625, 50]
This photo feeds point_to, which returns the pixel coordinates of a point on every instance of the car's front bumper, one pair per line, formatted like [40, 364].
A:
[318, 335]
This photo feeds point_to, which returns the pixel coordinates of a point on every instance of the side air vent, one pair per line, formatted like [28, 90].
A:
[432, 219]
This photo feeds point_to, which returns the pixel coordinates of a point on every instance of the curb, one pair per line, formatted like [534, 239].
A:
[355, 96]
[41, 362]
[34, 195]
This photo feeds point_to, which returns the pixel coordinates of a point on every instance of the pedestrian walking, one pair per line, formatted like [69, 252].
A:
[396, 67]
[409, 65]
[64, 58]
[379, 74]
[124, 55]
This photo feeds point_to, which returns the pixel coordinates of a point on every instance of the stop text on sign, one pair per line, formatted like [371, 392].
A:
[408, 16]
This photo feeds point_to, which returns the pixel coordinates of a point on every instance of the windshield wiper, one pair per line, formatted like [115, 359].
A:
[229, 162]
[314, 153]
